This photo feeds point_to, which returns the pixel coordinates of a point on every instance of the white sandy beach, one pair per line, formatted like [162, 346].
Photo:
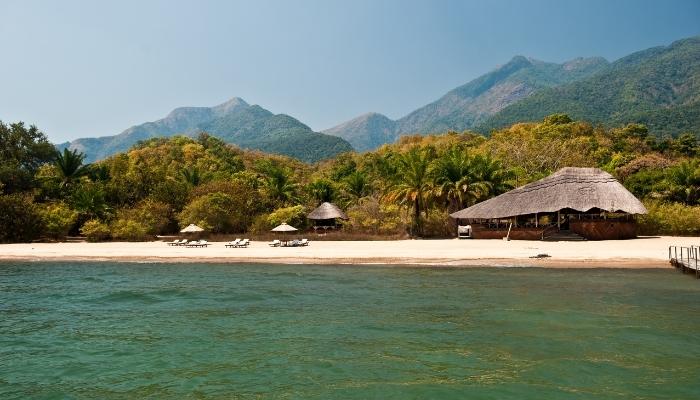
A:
[636, 253]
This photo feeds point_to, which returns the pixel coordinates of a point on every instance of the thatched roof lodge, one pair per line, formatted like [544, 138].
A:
[587, 202]
[326, 215]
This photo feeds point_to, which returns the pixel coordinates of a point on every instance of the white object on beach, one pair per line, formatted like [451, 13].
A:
[284, 227]
[191, 228]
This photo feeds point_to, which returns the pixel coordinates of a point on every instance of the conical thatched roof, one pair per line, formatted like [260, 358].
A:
[284, 227]
[580, 189]
[192, 228]
[327, 211]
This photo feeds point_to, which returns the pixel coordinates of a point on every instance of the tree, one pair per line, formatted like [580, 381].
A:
[277, 182]
[58, 219]
[215, 212]
[412, 186]
[191, 176]
[686, 144]
[453, 179]
[89, 201]
[684, 182]
[22, 151]
[356, 186]
[20, 218]
[70, 166]
[321, 190]
[490, 175]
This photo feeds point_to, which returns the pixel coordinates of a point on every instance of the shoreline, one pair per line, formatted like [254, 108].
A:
[642, 253]
[388, 262]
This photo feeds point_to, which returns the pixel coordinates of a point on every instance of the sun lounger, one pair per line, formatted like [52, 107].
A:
[304, 242]
[244, 243]
[233, 243]
[275, 243]
[176, 242]
[203, 243]
[192, 243]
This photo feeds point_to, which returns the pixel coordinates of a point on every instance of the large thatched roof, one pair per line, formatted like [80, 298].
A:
[580, 189]
[327, 211]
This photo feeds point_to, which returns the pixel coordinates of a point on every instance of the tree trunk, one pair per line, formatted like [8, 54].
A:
[416, 216]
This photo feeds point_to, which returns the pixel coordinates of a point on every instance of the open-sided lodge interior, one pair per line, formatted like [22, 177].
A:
[326, 216]
[585, 203]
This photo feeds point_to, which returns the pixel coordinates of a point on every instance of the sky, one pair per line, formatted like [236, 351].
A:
[85, 68]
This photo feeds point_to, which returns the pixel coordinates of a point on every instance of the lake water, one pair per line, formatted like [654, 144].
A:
[202, 331]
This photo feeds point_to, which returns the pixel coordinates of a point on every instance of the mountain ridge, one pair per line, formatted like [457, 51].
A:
[467, 105]
[658, 86]
[235, 121]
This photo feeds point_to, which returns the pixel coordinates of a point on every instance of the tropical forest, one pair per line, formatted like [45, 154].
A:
[404, 189]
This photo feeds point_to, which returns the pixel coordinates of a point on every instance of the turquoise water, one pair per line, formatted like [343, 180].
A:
[117, 331]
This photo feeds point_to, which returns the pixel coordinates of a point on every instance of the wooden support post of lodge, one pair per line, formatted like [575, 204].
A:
[558, 220]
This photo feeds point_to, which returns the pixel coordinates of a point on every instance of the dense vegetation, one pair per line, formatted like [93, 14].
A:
[659, 87]
[163, 184]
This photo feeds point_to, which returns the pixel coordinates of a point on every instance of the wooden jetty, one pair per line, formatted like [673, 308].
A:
[685, 258]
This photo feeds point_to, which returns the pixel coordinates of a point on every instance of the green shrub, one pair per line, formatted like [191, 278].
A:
[127, 229]
[371, 216]
[670, 219]
[294, 216]
[95, 230]
[438, 224]
[215, 212]
[153, 215]
[20, 219]
[58, 219]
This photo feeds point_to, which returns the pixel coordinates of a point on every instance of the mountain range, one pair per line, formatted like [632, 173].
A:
[235, 121]
[468, 105]
[659, 87]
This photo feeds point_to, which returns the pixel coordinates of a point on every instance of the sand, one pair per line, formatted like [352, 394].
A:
[647, 252]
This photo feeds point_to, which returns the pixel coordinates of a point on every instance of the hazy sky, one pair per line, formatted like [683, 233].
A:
[92, 68]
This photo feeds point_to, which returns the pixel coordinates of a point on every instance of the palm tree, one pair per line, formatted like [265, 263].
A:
[491, 176]
[278, 182]
[191, 176]
[412, 187]
[684, 182]
[89, 200]
[356, 186]
[321, 190]
[454, 179]
[70, 166]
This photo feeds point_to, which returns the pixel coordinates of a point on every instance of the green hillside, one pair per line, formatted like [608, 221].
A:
[470, 104]
[659, 87]
[235, 121]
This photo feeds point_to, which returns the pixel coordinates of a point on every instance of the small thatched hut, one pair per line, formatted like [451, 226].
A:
[584, 202]
[326, 214]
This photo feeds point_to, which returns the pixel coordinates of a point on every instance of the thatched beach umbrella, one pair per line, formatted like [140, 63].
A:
[192, 228]
[284, 227]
